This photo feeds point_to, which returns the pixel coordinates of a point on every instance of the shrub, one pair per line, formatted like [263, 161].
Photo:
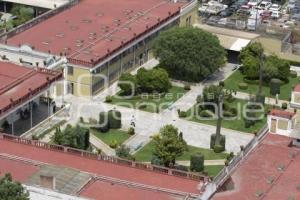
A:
[284, 106]
[108, 99]
[187, 87]
[213, 139]
[156, 161]
[197, 162]
[131, 131]
[34, 137]
[124, 152]
[275, 86]
[233, 111]
[228, 114]
[293, 74]
[206, 113]
[113, 144]
[199, 99]
[222, 83]
[81, 120]
[103, 122]
[230, 156]
[243, 86]
[114, 119]
[142, 106]
[218, 148]
[249, 123]
[182, 114]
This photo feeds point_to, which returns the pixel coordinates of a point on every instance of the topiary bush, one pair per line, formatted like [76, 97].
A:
[113, 144]
[243, 86]
[222, 141]
[108, 99]
[182, 114]
[284, 106]
[187, 87]
[275, 86]
[218, 148]
[293, 74]
[103, 122]
[114, 119]
[131, 131]
[197, 162]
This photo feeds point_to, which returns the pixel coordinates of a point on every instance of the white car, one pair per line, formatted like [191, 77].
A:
[264, 5]
[276, 14]
[275, 7]
[253, 3]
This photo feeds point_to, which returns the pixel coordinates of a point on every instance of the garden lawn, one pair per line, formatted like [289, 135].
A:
[145, 154]
[113, 134]
[213, 170]
[162, 102]
[236, 124]
[237, 77]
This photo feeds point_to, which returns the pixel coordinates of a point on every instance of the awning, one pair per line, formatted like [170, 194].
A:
[232, 43]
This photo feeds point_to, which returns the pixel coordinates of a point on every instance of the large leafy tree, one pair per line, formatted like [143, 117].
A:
[11, 190]
[127, 83]
[188, 53]
[75, 137]
[169, 145]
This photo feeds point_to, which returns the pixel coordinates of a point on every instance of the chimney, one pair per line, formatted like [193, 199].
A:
[47, 182]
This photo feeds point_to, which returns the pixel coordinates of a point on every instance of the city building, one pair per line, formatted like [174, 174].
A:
[22, 90]
[87, 175]
[95, 41]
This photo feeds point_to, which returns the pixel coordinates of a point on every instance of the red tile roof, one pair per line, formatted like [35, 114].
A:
[18, 84]
[297, 88]
[282, 113]
[91, 30]
[54, 155]
[259, 172]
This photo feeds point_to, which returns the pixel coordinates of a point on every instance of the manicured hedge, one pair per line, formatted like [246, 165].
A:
[114, 119]
[103, 122]
[197, 162]
[293, 74]
[275, 86]
[222, 142]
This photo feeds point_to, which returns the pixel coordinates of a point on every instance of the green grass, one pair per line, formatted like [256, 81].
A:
[237, 77]
[213, 170]
[164, 102]
[236, 124]
[113, 134]
[145, 154]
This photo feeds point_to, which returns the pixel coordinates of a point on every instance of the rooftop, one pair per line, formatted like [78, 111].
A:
[270, 172]
[90, 31]
[25, 162]
[282, 113]
[18, 84]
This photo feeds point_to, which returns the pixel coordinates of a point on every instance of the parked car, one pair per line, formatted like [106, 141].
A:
[243, 12]
[266, 14]
[275, 7]
[234, 7]
[254, 3]
[264, 5]
[226, 13]
[276, 14]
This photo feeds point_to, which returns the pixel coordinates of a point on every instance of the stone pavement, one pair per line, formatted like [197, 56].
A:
[148, 124]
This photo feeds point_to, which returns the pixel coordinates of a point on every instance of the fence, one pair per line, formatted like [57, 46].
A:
[110, 159]
[225, 173]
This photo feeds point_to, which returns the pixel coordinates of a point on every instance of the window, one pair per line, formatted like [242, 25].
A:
[70, 70]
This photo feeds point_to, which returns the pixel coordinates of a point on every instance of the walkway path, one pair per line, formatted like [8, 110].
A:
[101, 145]
[148, 124]
[206, 162]
[189, 99]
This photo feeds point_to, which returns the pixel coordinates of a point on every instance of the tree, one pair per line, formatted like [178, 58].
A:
[154, 80]
[127, 83]
[11, 190]
[75, 137]
[188, 53]
[168, 145]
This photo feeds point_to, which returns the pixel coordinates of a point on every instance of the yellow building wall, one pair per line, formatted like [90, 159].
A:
[193, 15]
[81, 80]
